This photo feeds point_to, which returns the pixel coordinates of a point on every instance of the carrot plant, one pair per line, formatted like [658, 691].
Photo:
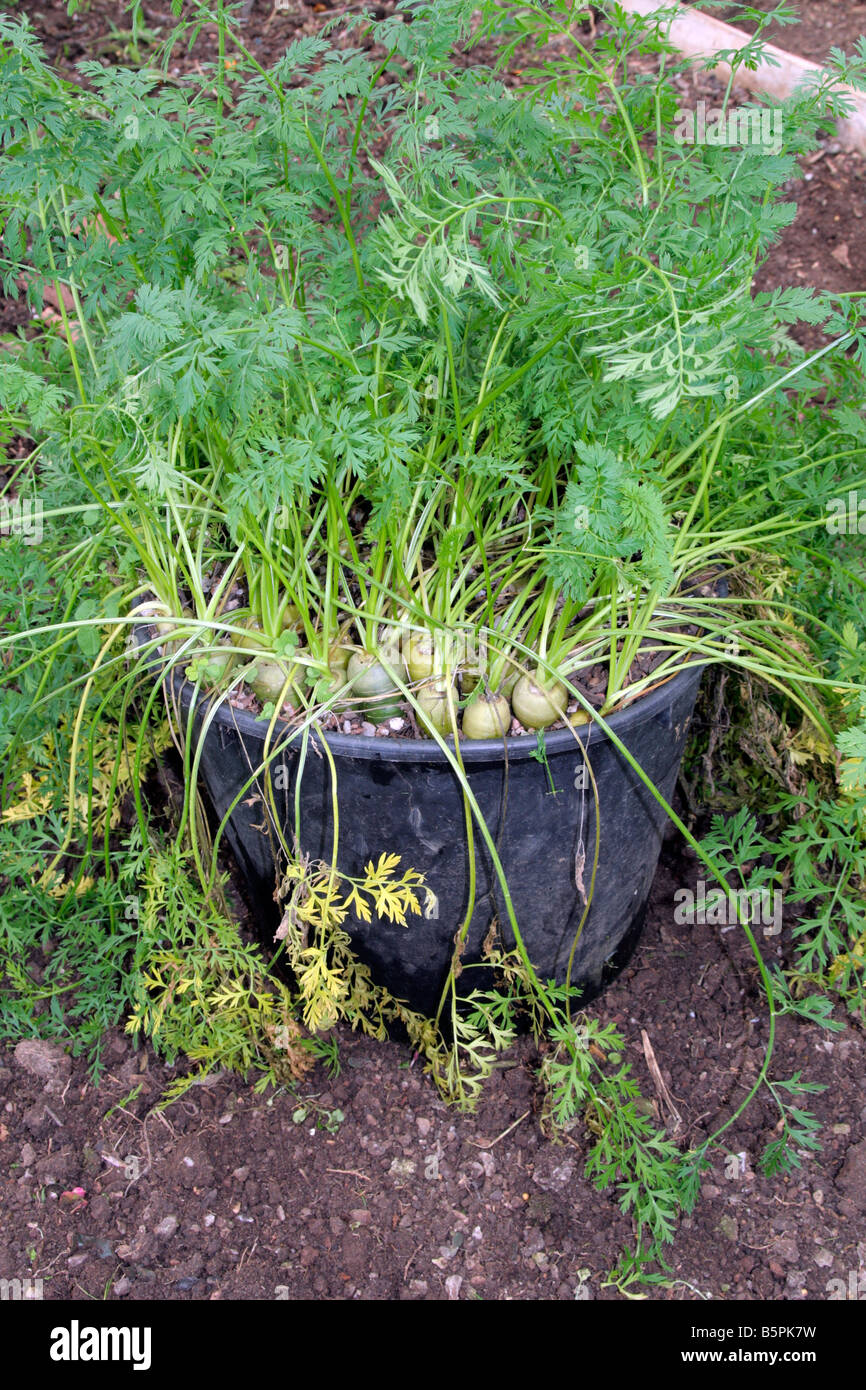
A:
[380, 383]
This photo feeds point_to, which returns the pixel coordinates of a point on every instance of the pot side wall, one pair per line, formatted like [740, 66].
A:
[412, 806]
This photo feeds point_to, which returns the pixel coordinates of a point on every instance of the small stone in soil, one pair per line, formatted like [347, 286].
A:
[786, 1249]
[729, 1228]
[46, 1060]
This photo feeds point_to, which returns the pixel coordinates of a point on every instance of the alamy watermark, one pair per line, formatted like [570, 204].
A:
[77, 1343]
[854, 1290]
[737, 1166]
[19, 516]
[732, 125]
[21, 1290]
[847, 515]
[720, 907]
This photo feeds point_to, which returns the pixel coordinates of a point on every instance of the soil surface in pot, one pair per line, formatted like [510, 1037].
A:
[239, 1197]
[351, 716]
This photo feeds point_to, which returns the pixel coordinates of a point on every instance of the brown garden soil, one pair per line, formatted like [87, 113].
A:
[226, 1194]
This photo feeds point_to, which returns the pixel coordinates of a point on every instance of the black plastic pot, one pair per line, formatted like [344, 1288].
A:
[401, 796]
